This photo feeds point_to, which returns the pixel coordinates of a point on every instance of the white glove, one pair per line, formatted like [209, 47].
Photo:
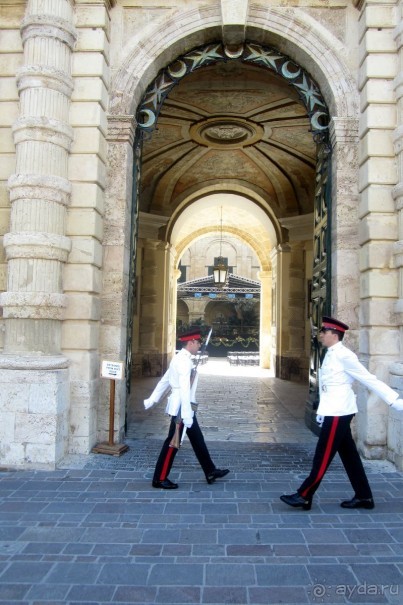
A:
[187, 422]
[148, 403]
[397, 405]
[319, 419]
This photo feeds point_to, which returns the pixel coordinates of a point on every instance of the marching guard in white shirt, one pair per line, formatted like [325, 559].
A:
[337, 407]
[181, 407]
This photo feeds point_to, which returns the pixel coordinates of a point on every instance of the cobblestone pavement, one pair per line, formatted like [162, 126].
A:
[94, 531]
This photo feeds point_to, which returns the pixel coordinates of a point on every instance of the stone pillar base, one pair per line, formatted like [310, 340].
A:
[34, 404]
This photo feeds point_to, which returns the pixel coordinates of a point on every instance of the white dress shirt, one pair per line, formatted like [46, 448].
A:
[176, 379]
[339, 370]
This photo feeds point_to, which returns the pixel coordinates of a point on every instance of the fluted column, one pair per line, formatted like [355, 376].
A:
[36, 246]
[34, 376]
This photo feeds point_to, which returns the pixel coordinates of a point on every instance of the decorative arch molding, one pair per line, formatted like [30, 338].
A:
[251, 53]
[295, 33]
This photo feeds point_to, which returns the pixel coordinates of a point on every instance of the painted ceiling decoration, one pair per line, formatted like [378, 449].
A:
[269, 58]
[247, 123]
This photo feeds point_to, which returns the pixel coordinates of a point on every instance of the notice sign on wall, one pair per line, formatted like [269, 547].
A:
[112, 370]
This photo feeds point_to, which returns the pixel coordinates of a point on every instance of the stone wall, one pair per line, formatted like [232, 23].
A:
[71, 75]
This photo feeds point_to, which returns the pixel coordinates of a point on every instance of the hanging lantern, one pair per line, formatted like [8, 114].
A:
[220, 269]
[220, 272]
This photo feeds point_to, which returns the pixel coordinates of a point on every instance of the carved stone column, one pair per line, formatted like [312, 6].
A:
[345, 292]
[36, 246]
[120, 195]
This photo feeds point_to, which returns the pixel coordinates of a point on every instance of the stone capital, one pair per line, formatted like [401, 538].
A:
[343, 131]
[283, 248]
[150, 224]
[121, 128]
[299, 227]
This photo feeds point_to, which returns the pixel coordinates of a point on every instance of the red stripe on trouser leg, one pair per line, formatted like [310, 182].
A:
[326, 457]
[164, 472]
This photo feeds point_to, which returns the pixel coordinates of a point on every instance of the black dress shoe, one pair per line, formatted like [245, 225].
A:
[367, 503]
[217, 473]
[297, 501]
[165, 484]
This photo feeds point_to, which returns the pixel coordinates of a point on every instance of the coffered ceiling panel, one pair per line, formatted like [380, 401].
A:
[225, 125]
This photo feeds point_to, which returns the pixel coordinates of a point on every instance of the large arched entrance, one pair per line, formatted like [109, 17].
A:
[295, 198]
[227, 123]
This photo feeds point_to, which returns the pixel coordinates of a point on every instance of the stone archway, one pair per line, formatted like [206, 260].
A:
[191, 222]
[302, 38]
[234, 136]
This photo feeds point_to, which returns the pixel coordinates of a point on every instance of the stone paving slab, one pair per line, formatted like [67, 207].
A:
[96, 532]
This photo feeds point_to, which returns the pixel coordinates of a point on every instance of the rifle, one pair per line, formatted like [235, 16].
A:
[176, 440]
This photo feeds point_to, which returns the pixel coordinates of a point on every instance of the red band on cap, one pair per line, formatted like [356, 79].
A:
[331, 326]
[192, 337]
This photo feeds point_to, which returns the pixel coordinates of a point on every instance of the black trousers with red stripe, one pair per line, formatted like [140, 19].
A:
[167, 454]
[335, 437]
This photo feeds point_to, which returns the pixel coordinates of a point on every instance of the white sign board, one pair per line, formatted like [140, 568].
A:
[112, 370]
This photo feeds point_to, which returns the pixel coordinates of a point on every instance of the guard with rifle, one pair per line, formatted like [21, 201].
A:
[180, 382]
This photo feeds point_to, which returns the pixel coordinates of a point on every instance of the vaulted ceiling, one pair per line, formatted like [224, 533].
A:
[231, 127]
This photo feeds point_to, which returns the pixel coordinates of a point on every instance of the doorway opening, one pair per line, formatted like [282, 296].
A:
[252, 128]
